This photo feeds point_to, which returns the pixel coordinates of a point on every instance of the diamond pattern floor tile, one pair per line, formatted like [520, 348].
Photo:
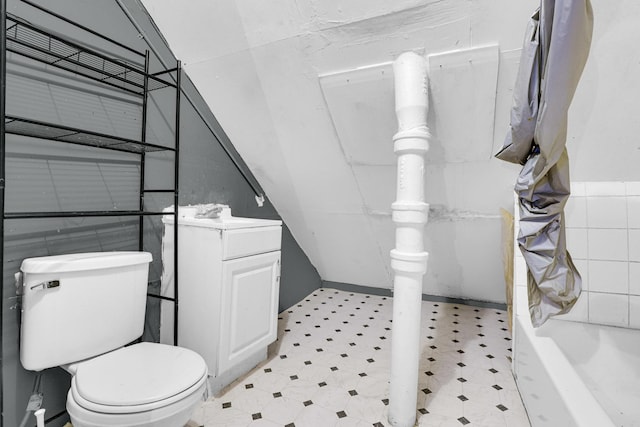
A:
[330, 367]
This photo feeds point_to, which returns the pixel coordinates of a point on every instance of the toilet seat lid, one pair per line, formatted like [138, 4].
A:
[139, 374]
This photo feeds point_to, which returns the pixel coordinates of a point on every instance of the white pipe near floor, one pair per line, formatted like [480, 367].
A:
[408, 259]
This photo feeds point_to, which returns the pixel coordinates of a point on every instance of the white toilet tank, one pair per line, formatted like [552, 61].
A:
[81, 305]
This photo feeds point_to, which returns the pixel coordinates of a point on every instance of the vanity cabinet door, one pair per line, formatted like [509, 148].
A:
[249, 307]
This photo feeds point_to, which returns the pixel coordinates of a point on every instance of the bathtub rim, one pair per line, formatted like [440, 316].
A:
[583, 407]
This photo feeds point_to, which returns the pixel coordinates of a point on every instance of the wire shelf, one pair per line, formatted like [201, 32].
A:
[32, 42]
[82, 214]
[36, 129]
[53, 50]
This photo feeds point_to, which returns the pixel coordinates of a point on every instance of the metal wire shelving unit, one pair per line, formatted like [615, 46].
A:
[39, 44]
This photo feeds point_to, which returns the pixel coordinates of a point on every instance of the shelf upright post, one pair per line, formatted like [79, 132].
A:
[3, 99]
[176, 168]
[143, 139]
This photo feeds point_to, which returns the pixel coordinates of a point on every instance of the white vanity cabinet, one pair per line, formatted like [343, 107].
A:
[229, 279]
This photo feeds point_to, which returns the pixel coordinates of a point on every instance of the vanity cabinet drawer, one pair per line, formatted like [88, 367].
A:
[250, 241]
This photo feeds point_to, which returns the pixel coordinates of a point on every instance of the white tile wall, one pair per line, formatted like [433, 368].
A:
[606, 212]
[583, 268]
[634, 245]
[605, 188]
[609, 309]
[580, 311]
[607, 244]
[603, 238]
[578, 189]
[634, 311]
[633, 211]
[634, 278]
[633, 188]
[577, 243]
[609, 276]
[575, 212]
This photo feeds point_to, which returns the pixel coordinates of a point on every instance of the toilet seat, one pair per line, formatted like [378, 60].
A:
[138, 378]
[172, 415]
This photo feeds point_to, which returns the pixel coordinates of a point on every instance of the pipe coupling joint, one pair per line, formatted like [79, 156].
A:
[411, 141]
[409, 212]
[411, 263]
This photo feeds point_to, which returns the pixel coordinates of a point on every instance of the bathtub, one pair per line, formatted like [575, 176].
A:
[577, 374]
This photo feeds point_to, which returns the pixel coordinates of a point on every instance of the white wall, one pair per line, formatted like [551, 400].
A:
[258, 65]
[603, 121]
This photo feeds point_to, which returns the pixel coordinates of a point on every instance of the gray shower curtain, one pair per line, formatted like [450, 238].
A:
[555, 50]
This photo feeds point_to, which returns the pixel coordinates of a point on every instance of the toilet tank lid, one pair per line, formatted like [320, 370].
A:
[84, 261]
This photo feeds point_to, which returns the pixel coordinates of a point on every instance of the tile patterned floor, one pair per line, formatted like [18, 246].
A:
[330, 367]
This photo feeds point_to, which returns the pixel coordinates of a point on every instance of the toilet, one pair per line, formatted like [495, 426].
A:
[79, 312]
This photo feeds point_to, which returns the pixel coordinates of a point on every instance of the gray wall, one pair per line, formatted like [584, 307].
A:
[49, 176]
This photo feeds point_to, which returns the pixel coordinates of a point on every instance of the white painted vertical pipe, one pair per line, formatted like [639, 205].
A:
[408, 259]
[39, 417]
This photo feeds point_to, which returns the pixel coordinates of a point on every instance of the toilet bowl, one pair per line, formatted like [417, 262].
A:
[98, 302]
[144, 384]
